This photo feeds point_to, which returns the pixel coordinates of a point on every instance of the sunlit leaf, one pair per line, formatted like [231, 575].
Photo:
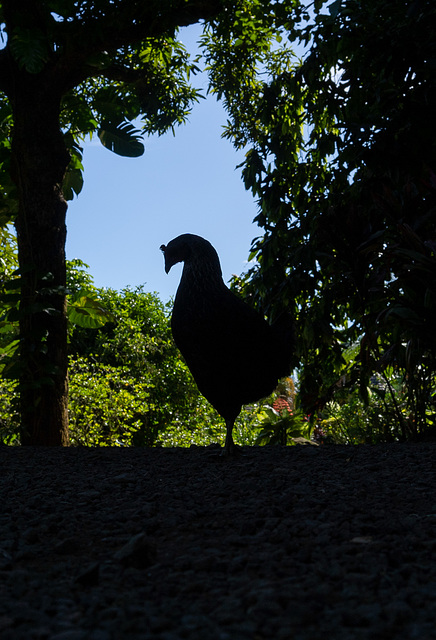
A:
[88, 312]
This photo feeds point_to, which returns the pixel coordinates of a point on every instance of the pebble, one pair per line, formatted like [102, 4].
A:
[139, 552]
[71, 634]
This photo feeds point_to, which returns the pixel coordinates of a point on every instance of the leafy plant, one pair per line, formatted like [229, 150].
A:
[281, 427]
[9, 299]
[380, 418]
[108, 406]
[9, 412]
[278, 421]
[343, 162]
[132, 354]
[70, 70]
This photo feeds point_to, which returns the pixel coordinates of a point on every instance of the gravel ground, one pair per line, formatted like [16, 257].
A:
[284, 543]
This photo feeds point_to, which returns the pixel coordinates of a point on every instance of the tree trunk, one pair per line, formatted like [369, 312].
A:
[39, 161]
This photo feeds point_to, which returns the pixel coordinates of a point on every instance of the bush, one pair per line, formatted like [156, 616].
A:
[9, 412]
[384, 416]
[280, 427]
[107, 406]
[129, 383]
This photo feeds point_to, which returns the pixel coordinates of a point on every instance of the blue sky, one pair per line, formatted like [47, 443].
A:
[183, 183]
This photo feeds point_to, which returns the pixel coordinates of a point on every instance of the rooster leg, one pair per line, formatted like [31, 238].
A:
[229, 447]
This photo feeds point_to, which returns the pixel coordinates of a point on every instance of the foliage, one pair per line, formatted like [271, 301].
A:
[107, 406]
[126, 78]
[281, 427]
[128, 381]
[74, 69]
[136, 356]
[278, 421]
[349, 420]
[8, 254]
[9, 407]
[151, 89]
[84, 307]
[342, 159]
[9, 412]
[8, 192]
[9, 298]
[138, 352]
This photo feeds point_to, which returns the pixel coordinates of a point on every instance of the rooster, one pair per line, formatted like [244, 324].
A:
[234, 355]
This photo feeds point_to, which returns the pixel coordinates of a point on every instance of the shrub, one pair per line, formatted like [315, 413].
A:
[384, 416]
[9, 412]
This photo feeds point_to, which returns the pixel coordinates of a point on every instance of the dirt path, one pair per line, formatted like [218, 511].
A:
[292, 543]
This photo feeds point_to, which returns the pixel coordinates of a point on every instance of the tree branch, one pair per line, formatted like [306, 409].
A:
[105, 27]
[126, 28]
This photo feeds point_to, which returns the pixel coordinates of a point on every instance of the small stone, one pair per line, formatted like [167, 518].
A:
[90, 576]
[100, 634]
[66, 546]
[139, 552]
[362, 540]
[70, 634]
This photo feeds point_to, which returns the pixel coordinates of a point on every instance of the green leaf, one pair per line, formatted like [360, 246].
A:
[88, 313]
[73, 180]
[73, 183]
[29, 48]
[123, 139]
[404, 313]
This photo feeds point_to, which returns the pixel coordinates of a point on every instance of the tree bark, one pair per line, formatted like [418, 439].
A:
[39, 161]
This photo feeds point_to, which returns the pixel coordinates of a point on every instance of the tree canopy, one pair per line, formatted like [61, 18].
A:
[340, 155]
[69, 69]
[342, 159]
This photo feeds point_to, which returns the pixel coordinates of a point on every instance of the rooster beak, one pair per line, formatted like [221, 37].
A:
[167, 265]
